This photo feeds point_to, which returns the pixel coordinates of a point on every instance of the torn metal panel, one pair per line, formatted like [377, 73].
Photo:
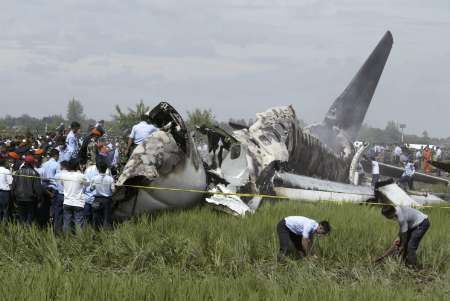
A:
[318, 196]
[235, 169]
[394, 194]
[277, 137]
[228, 203]
[289, 180]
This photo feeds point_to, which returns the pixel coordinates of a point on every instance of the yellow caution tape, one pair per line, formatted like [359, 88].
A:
[219, 193]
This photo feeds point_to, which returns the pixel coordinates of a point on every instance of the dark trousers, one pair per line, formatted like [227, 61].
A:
[102, 212]
[414, 237]
[25, 211]
[375, 179]
[87, 212]
[58, 212]
[407, 180]
[43, 209]
[287, 238]
[5, 197]
[73, 218]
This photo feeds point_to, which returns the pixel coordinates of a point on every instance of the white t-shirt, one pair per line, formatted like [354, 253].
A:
[141, 131]
[375, 168]
[301, 226]
[5, 179]
[74, 183]
[409, 218]
[397, 151]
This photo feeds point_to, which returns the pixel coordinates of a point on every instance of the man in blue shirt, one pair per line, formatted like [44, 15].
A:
[407, 177]
[139, 133]
[299, 231]
[48, 172]
[72, 139]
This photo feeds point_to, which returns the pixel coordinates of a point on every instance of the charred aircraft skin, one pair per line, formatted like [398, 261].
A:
[276, 136]
[166, 159]
[274, 143]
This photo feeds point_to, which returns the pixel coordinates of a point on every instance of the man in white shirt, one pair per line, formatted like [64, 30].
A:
[418, 159]
[413, 225]
[438, 158]
[375, 172]
[139, 133]
[397, 154]
[6, 180]
[74, 183]
[104, 186]
[299, 231]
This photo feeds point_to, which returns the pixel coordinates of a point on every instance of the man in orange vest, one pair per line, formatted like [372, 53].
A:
[427, 156]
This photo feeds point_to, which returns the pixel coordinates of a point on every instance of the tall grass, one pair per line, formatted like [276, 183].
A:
[203, 254]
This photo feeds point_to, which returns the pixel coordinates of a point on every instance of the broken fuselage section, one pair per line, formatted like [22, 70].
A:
[166, 161]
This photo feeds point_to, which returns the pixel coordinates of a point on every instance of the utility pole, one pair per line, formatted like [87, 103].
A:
[403, 127]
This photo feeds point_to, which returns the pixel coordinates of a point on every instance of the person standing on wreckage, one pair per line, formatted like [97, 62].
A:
[139, 133]
[299, 231]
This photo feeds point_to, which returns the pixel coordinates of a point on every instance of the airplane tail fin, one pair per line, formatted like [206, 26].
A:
[349, 109]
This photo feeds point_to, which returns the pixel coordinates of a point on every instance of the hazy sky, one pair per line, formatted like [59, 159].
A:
[235, 57]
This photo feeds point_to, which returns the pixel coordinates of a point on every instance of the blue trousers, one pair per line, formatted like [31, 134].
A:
[87, 212]
[73, 218]
[102, 212]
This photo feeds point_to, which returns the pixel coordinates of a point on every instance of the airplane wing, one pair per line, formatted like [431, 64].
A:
[392, 171]
[443, 165]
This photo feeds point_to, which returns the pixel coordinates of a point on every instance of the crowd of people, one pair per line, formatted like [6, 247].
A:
[409, 159]
[64, 178]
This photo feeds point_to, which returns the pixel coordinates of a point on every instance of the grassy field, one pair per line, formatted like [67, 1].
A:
[202, 254]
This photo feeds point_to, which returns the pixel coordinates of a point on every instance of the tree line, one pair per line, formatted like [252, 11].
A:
[123, 119]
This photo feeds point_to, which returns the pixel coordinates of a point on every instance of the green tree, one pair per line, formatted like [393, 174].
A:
[393, 133]
[123, 121]
[200, 117]
[75, 111]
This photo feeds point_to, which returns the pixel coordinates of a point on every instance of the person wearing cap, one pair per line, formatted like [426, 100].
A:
[413, 225]
[139, 133]
[88, 151]
[48, 172]
[27, 191]
[6, 180]
[299, 231]
[72, 139]
[16, 160]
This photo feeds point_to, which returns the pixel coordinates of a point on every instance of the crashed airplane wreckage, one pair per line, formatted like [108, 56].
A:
[274, 156]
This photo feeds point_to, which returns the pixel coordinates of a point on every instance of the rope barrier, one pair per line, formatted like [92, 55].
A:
[173, 189]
